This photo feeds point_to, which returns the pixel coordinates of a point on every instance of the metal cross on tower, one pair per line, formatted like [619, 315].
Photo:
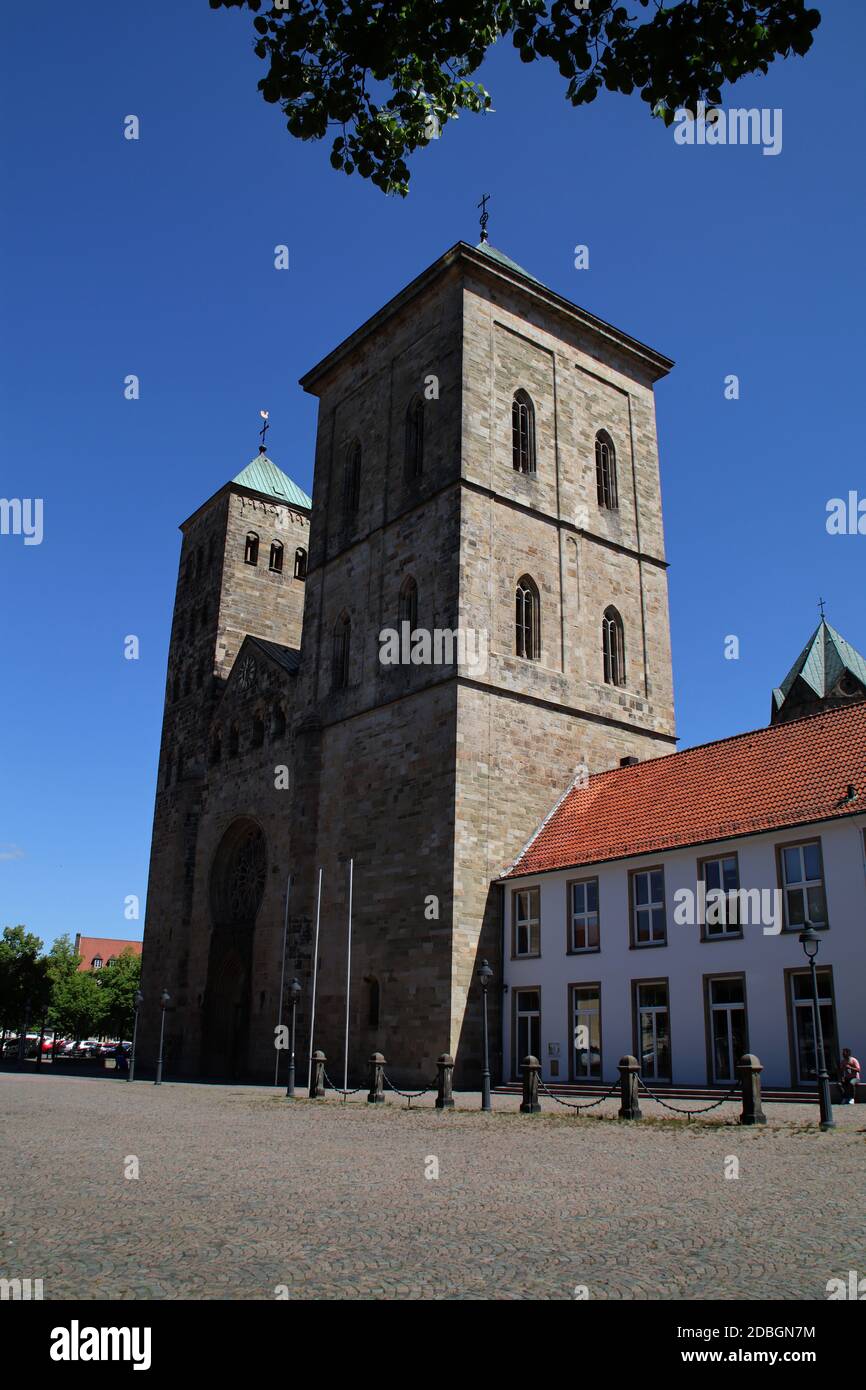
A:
[485, 216]
[263, 431]
[821, 608]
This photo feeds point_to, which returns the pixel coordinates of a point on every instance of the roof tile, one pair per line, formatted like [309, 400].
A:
[785, 775]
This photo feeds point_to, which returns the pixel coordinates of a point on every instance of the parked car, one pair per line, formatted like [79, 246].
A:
[31, 1046]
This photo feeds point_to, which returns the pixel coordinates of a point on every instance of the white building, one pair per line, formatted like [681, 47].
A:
[611, 949]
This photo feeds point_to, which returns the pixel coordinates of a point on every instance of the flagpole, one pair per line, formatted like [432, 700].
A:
[283, 974]
[315, 975]
[348, 978]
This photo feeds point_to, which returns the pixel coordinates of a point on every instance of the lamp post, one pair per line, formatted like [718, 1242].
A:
[294, 994]
[164, 1001]
[485, 975]
[138, 1000]
[810, 941]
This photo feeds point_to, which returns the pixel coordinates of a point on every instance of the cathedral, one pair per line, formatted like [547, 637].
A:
[486, 465]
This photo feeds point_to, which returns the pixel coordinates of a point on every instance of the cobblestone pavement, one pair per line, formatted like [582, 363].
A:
[241, 1191]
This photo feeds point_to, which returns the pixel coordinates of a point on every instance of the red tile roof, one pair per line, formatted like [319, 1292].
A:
[103, 946]
[785, 775]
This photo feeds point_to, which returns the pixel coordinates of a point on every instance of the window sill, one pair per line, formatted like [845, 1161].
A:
[646, 945]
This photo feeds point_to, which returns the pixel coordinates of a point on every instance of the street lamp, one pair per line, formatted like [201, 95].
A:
[810, 941]
[485, 975]
[164, 1001]
[294, 994]
[138, 1000]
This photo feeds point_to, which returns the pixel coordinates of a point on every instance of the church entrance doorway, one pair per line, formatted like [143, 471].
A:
[237, 887]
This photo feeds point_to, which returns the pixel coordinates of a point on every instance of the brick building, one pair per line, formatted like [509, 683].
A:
[97, 951]
[486, 463]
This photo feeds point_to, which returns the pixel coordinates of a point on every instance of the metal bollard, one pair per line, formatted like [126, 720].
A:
[317, 1084]
[629, 1069]
[445, 1069]
[530, 1105]
[750, 1070]
[377, 1080]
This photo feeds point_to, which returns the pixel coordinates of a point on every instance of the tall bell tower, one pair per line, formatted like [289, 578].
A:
[459, 462]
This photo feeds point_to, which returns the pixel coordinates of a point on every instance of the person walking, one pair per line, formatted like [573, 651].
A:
[849, 1075]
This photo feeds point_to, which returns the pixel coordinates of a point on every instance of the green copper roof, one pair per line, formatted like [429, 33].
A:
[825, 658]
[501, 257]
[262, 475]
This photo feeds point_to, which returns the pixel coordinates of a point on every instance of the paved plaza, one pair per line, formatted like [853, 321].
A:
[244, 1195]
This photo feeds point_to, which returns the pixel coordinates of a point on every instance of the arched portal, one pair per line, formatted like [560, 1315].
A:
[237, 885]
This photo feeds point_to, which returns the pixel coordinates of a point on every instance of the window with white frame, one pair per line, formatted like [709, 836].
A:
[648, 926]
[526, 905]
[722, 882]
[583, 915]
[802, 874]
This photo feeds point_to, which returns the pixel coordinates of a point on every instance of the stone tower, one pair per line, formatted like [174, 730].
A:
[221, 597]
[486, 478]
[432, 777]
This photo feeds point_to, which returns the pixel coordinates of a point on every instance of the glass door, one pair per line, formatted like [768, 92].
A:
[527, 1027]
[653, 1029]
[728, 1029]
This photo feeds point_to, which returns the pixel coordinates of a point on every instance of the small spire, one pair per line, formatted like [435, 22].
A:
[485, 216]
[263, 431]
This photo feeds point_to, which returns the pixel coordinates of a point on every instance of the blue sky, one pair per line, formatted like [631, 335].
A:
[155, 257]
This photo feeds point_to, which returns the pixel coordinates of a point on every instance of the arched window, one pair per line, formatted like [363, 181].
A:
[198, 561]
[415, 438]
[187, 681]
[175, 688]
[527, 620]
[96, 963]
[178, 773]
[408, 607]
[605, 471]
[300, 563]
[234, 741]
[523, 433]
[211, 546]
[352, 478]
[613, 647]
[199, 677]
[216, 748]
[276, 560]
[278, 722]
[340, 662]
[258, 731]
[251, 549]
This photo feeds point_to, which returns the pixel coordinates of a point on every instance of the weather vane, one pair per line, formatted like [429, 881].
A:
[263, 431]
[485, 216]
